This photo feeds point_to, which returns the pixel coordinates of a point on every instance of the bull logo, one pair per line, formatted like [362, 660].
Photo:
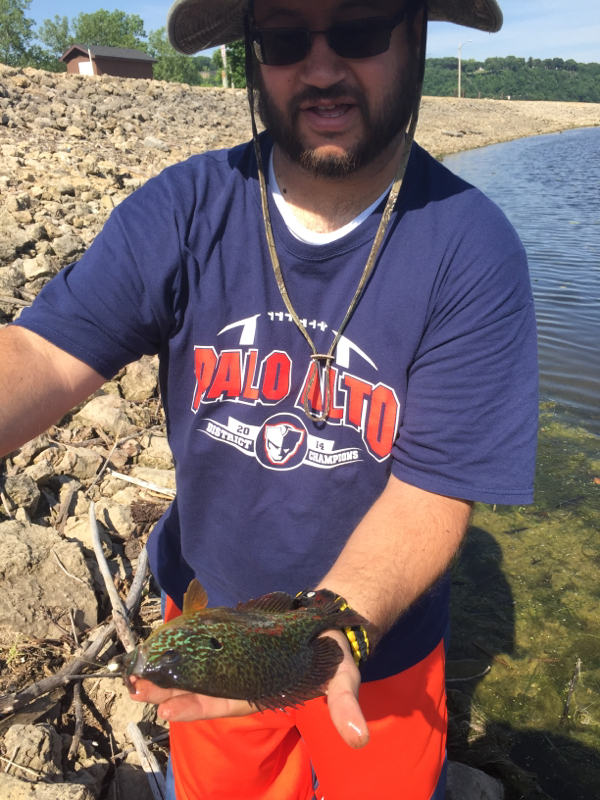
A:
[284, 442]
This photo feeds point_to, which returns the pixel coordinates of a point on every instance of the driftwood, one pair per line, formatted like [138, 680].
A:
[149, 763]
[12, 703]
[76, 740]
[144, 484]
[119, 612]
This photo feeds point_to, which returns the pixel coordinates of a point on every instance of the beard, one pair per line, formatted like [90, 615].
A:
[381, 126]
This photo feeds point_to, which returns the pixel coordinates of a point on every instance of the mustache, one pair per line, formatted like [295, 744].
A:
[314, 94]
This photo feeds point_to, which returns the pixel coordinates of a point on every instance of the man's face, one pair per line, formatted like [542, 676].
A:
[329, 114]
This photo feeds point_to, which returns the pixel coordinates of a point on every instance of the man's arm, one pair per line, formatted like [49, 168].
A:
[40, 383]
[403, 544]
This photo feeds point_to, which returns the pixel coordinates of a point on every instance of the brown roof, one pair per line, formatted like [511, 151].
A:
[123, 53]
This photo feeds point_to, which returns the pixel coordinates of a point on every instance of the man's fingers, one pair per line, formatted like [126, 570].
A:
[345, 711]
[180, 706]
[342, 698]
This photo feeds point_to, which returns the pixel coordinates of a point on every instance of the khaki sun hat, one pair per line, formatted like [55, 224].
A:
[194, 25]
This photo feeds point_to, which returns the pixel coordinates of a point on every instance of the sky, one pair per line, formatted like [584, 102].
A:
[537, 28]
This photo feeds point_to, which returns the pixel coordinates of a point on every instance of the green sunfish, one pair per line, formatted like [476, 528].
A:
[264, 651]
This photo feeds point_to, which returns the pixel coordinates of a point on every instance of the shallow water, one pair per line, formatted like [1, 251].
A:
[526, 597]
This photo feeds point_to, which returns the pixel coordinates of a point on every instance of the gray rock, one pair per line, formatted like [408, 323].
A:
[140, 380]
[12, 788]
[156, 452]
[109, 413]
[113, 702]
[68, 246]
[466, 783]
[80, 462]
[156, 144]
[23, 492]
[40, 472]
[37, 747]
[90, 767]
[39, 267]
[133, 780]
[115, 517]
[35, 591]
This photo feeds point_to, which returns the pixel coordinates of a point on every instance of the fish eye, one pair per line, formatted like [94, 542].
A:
[215, 643]
[169, 657]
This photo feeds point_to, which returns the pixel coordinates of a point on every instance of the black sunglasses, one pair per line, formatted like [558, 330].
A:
[361, 38]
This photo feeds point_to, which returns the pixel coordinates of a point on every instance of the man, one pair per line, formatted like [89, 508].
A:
[323, 436]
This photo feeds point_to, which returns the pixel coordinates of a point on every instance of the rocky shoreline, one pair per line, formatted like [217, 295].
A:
[72, 148]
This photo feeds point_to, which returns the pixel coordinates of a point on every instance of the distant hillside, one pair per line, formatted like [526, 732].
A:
[515, 78]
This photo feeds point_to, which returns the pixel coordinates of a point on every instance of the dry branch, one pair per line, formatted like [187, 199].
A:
[149, 763]
[119, 613]
[76, 740]
[12, 703]
[144, 484]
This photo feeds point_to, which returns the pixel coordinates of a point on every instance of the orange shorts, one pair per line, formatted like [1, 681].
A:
[271, 755]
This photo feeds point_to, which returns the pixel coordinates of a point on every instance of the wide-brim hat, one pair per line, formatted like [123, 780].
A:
[194, 25]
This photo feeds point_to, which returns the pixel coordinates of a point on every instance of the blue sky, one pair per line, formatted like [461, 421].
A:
[538, 28]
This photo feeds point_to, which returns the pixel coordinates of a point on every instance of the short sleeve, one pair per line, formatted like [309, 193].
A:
[470, 421]
[119, 301]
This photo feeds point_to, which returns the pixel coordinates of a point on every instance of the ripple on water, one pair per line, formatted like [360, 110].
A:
[548, 187]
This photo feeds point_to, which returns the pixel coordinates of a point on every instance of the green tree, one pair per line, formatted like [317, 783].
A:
[171, 65]
[39, 58]
[56, 35]
[236, 59]
[16, 31]
[109, 29]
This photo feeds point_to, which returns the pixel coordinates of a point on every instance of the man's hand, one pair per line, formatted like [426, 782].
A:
[176, 705]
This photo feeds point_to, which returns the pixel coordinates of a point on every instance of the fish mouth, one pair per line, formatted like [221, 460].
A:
[132, 663]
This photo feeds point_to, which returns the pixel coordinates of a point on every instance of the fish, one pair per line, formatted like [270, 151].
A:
[266, 651]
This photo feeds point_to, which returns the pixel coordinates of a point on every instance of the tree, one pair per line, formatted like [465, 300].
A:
[109, 29]
[16, 31]
[171, 65]
[56, 35]
[236, 61]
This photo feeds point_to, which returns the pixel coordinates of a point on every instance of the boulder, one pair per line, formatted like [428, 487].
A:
[156, 452]
[22, 491]
[37, 747]
[12, 788]
[115, 517]
[79, 462]
[36, 592]
[110, 413]
[140, 379]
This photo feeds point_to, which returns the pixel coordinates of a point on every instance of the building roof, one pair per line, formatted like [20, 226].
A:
[124, 53]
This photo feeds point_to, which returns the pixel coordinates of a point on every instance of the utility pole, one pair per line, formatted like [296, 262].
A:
[224, 70]
[459, 65]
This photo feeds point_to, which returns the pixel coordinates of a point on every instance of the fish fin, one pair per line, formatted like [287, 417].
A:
[323, 600]
[275, 602]
[327, 602]
[327, 654]
[195, 599]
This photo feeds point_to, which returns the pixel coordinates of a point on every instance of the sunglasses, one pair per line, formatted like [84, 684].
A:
[361, 38]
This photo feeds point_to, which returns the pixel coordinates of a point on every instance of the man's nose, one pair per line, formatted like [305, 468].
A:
[322, 66]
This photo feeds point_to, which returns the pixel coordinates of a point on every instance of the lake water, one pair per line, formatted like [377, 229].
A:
[549, 187]
[525, 587]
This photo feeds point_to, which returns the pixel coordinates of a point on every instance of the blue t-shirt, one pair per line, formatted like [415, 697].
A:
[434, 378]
